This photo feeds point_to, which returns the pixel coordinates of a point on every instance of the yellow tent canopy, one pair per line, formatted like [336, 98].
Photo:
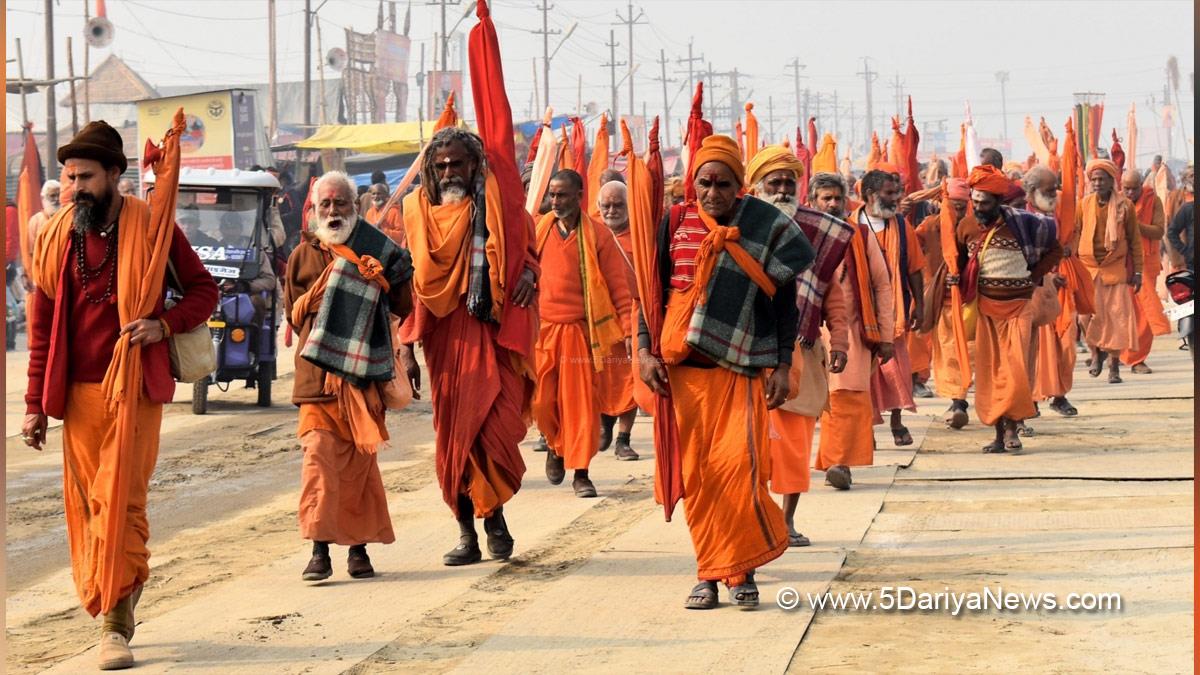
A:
[394, 138]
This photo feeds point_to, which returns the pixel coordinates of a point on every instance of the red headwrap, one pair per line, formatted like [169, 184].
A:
[957, 188]
[988, 178]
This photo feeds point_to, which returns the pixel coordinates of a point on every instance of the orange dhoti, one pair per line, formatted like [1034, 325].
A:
[1151, 321]
[735, 525]
[951, 379]
[920, 346]
[615, 382]
[1004, 359]
[342, 500]
[891, 383]
[566, 405]
[90, 456]
[1056, 354]
[1114, 325]
[479, 400]
[791, 451]
[846, 434]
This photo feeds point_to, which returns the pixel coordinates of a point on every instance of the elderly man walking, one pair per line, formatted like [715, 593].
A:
[1152, 225]
[98, 360]
[343, 281]
[728, 268]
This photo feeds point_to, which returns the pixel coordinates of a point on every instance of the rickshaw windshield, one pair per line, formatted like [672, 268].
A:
[220, 223]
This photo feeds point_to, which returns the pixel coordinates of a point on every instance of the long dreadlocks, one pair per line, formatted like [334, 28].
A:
[449, 136]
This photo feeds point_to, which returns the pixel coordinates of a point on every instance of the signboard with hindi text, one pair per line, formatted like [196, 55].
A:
[220, 128]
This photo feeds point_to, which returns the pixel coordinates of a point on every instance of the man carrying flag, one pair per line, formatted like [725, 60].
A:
[98, 360]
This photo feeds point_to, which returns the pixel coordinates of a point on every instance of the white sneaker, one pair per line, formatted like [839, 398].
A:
[114, 652]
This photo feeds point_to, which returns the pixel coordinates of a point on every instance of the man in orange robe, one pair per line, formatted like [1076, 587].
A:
[481, 385]
[891, 384]
[847, 438]
[342, 283]
[390, 223]
[98, 360]
[1056, 352]
[728, 265]
[951, 378]
[1004, 253]
[616, 380]
[1110, 247]
[1148, 307]
[773, 175]
[584, 313]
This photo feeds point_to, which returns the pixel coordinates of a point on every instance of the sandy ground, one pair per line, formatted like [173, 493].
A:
[1097, 503]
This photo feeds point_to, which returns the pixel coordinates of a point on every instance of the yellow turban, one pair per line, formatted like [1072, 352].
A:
[1104, 165]
[825, 161]
[772, 158]
[721, 149]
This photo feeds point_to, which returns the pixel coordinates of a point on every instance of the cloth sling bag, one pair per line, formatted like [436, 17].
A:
[193, 355]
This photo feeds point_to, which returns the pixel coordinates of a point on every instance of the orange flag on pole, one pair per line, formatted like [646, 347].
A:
[750, 146]
[949, 244]
[596, 166]
[29, 196]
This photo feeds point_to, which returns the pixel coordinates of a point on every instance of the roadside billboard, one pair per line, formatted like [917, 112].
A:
[220, 131]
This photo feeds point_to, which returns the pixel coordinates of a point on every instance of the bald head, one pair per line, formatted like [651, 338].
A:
[1041, 188]
[614, 205]
[1131, 185]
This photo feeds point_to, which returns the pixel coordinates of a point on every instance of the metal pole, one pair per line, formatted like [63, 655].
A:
[308, 62]
[666, 120]
[321, 74]
[21, 74]
[273, 114]
[74, 99]
[546, 51]
[87, 84]
[445, 40]
[51, 104]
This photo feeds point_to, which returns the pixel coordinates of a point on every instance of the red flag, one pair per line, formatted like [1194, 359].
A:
[654, 162]
[533, 145]
[518, 325]
[697, 130]
[1117, 153]
[740, 135]
[910, 168]
[812, 137]
[29, 196]
[958, 163]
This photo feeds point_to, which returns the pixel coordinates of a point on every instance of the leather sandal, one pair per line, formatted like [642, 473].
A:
[703, 596]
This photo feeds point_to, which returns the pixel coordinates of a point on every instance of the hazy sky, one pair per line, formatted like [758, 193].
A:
[943, 52]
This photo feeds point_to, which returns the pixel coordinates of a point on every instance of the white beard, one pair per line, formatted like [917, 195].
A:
[453, 195]
[1043, 203]
[785, 203]
[328, 235]
[616, 225]
[885, 213]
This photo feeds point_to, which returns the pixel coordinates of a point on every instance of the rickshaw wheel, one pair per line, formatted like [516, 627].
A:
[200, 396]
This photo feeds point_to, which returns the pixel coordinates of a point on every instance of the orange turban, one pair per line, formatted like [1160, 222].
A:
[958, 188]
[1104, 165]
[769, 159]
[723, 149]
[988, 178]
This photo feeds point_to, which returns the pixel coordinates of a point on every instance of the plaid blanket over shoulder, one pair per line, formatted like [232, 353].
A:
[1034, 232]
[351, 335]
[830, 238]
[736, 327]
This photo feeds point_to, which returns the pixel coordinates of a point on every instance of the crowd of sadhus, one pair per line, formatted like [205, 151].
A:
[761, 294]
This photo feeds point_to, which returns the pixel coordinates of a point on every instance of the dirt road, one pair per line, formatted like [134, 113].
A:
[1097, 503]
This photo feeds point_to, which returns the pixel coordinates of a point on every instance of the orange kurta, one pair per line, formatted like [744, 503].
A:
[90, 447]
[1114, 325]
[891, 383]
[617, 380]
[1148, 308]
[791, 451]
[342, 500]
[1056, 356]
[735, 525]
[951, 378]
[392, 224]
[566, 402]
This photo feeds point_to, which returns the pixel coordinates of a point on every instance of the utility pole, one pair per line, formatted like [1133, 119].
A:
[804, 119]
[321, 74]
[817, 111]
[545, 32]
[535, 87]
[445, 36]
[612, 66]
[898, 89]
[87, 73]
[837, 134]
[796, 67]
[21, 75]
[51, 104]
[689, 61]
[735, 100]
[852, 134]
[631, 21]
[308, 62]
[666, 120]
[74, 98]
[1002, 78]
[273, 107]
[770, 117]
[868, 76]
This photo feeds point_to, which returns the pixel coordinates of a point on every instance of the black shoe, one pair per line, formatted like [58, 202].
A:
[466, 553]
[583, 487]
[607, 422]
[921, 391]
[319, 566]
[555, 472]
[358, 563]
[541, 446]
[499, 541]
[623, 452]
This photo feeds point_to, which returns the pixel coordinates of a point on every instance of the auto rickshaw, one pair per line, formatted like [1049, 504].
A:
[223, 213]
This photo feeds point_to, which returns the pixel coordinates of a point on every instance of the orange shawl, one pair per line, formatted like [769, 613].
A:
[1114, 226]
[604, 329]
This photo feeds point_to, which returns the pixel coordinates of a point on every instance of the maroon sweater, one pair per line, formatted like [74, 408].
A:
[92, 329]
